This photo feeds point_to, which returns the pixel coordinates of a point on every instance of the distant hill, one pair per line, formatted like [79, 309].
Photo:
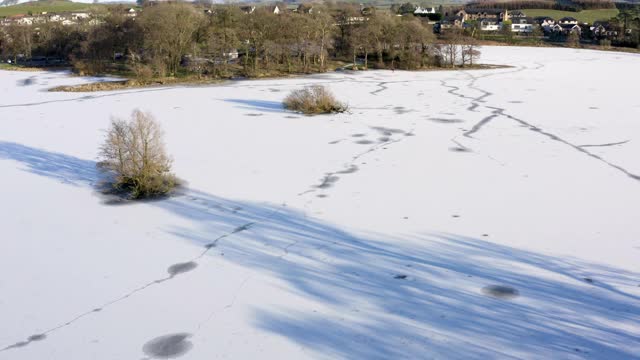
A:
[42, 6]
[6, 3]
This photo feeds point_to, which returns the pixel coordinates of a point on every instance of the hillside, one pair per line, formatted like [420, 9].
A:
[588, 16]
[48, 6]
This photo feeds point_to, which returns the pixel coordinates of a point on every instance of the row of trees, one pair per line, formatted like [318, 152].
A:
[174, 38]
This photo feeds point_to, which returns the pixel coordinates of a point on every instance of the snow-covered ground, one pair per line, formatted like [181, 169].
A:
[472, 214]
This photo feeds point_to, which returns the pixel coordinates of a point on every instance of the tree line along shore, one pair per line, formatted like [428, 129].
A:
[168, 42]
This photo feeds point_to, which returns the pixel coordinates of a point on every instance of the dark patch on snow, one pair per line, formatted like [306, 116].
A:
[253, 114]
[181, 268]
[241, 228]
[384, 139]
[459, 149]
[27, 82]
[364, 142]
[445, 121]
[589, 280]
[358, 135]
[401, 110]
[169, 346]
[350, 170]
[387, 131]
[501, 291]
[37, 337]
[328, 181]
[400, 276]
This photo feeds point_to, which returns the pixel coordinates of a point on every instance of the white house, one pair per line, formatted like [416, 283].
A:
[248, 9]
[566, 29]
[424, 11]
[568, 21]
[546, 23]
[27, 20]
[56, 18]
[80, 16]
[521, 25]
[131, 12]
[489, 24]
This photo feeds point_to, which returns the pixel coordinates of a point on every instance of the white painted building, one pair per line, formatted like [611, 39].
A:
[522, 25]
[424, 11]
[490, 25]
[80, 16]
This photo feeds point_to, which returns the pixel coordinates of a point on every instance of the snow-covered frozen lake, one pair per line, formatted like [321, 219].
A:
[471, 214]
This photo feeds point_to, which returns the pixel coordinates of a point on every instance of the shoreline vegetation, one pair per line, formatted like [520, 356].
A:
[167, 43]
[197, 81]
[177, 43]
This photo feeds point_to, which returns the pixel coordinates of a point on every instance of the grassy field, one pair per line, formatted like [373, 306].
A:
[588, 16]
[42, 6]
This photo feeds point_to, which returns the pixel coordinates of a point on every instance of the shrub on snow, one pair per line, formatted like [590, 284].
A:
[134, 152]
[314, 100]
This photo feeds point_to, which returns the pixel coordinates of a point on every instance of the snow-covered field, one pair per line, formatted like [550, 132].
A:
[472, 214]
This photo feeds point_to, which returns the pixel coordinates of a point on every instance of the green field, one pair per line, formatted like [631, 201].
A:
[588, 16]
[42, 6]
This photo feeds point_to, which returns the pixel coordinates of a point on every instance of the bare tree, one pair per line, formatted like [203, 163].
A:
[18, 41]
[469, 51]
[450, 49]
[169, 31]
[134, 152]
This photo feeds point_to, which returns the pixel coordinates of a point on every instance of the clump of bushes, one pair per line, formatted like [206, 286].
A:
[314, 100]
[134, 153]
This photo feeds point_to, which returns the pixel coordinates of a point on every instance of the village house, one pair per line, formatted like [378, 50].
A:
[566, 29]
[248, 9]
[477, 14]
[603, 30]
[568, 20]
[304, 8]
[131, 12]
[448, 23]
[515, 14]
[545, 23]
[424, 11]
[65, 19]
[274, 9]
[80, 16]
[19, 19]
[489, 24]
[522, 25]
[56, 18]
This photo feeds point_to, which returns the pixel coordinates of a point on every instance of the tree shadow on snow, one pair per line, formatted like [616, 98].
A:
[410, 296]
[262, 105]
